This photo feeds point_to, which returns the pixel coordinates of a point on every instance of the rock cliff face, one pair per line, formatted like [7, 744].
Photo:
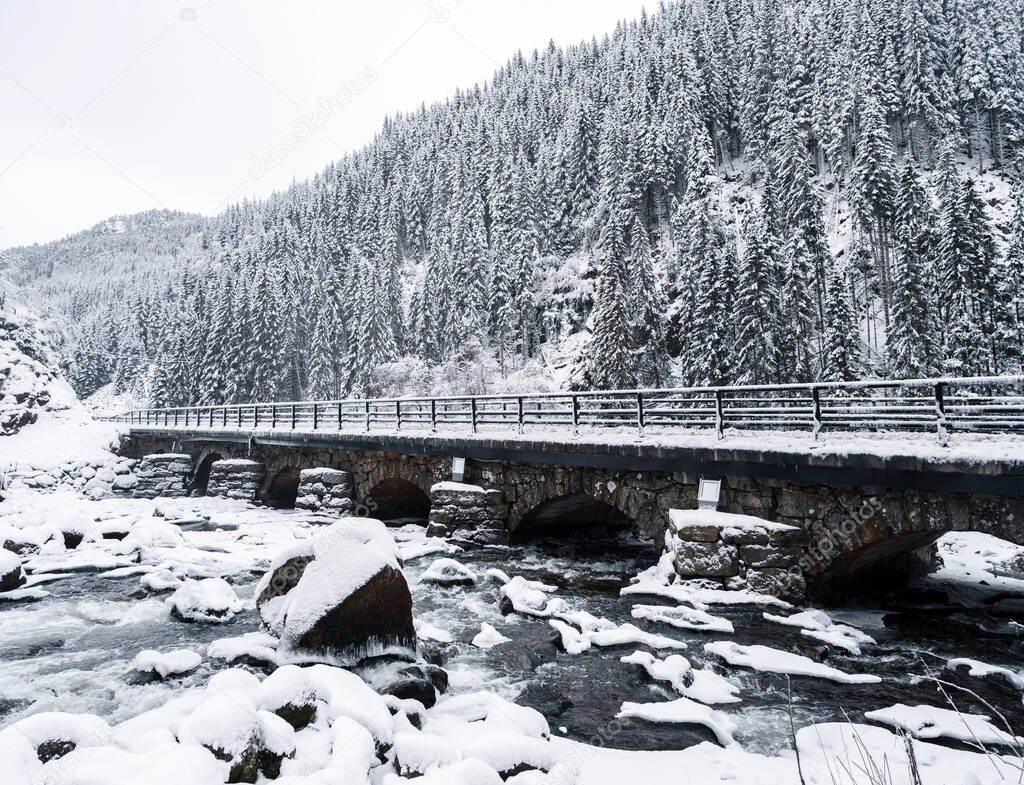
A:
[27, 374]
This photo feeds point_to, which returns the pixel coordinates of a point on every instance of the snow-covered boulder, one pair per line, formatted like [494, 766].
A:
[230, 724]
[289, 693]
[154, 533]
[343, 594]
[210, 600]
[11, 574]
[73, 525]
[168, 663]
[54, 734]
[449, 572]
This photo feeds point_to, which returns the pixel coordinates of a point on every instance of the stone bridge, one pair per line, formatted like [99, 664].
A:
[863, 519]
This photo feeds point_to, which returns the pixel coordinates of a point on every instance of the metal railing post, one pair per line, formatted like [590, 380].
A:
[255, 416]
[186, 417]
[239, 415]
[293, 416]
[273, 416]
[640, 413]
[472, 412]
[433, 415]
[316, 415]
[398, 415]
[719, 416]
[367, 405]
[940, 414]
[575, 413]
[340, 426]
[519, 414]
[816, 411]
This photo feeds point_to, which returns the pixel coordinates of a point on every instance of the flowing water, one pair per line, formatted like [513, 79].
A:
[72, 651]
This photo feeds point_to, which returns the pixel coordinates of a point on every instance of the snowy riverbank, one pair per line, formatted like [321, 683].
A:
[72, 636]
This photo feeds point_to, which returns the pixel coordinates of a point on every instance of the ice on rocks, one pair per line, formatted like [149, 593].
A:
[699, 684]
[684, 617]
[765, 658]
[820, 626]
[683, 711]
[932, 722]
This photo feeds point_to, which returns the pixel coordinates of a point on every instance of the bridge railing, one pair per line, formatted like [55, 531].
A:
[993, 404]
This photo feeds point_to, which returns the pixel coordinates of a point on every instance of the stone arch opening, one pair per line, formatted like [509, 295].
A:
[572, 514]
[283, 489]
[201, 479]
[876, 568]
[397, 498]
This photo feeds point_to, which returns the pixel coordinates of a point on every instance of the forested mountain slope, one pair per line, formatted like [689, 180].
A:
[721, 192]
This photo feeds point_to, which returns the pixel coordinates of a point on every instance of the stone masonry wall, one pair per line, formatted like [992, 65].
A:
[237, 478]
[325, 490]
[468, 513]
[163, 474]
[738, 551]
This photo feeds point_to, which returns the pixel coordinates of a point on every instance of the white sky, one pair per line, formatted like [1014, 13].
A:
[117, 106]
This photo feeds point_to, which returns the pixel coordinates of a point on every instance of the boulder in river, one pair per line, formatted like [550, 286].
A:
[342, 595]
[11, 574]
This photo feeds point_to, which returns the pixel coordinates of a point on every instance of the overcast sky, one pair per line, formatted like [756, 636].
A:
[117, 106]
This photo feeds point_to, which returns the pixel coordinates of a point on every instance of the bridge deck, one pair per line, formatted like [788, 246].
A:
[974, 463]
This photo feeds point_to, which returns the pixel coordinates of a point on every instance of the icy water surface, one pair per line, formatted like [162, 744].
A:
[72, 651]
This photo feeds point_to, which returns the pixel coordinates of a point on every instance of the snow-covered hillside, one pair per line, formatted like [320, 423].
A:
[713, 193]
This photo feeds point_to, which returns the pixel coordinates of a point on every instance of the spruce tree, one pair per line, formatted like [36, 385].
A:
[841, 356]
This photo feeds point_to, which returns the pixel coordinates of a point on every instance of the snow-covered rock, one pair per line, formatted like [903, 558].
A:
[528, 597]
[932, 722]
[449, 572]
[684, 617]
[11, 573]
[683, 711]
[488, 637]
[343, 594]
[167, 663]
[819, 625]
[700, 684]
[765, 658]
[211, 600]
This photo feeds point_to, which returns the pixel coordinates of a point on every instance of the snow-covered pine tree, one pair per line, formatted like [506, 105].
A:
[647, 306]
[842, 356]
[758, 334]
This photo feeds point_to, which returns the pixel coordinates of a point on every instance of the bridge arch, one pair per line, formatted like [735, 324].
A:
[283, 488]
[201, 477]
[393, 488]
[396, 497]
[572, 512]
